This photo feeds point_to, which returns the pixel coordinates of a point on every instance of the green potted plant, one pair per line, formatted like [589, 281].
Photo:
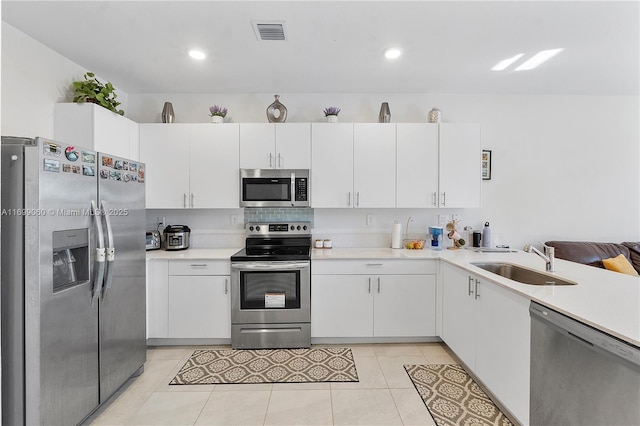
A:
[332, 114]
[92, 90]
[217, 113]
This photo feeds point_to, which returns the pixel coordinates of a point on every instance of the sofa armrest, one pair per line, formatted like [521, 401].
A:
[590, 253]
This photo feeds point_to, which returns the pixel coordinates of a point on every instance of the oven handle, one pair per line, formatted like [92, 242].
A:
[269, 266]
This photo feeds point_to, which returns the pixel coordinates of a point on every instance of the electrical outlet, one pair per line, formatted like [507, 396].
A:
[369, 219]
[443, 219]
[236, 219]
[161, 222]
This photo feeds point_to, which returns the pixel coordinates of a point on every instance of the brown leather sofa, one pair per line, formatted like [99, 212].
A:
[592, 253]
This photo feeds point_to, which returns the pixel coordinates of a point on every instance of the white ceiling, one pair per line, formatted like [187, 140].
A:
[336, 46]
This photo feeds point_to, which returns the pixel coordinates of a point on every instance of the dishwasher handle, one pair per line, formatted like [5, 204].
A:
[589, 336]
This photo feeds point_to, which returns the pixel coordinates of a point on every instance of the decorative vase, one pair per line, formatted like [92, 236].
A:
[217, 119]
[385, 113]
[435, 115]
[332, 118]
[167, 113]
[277, 112]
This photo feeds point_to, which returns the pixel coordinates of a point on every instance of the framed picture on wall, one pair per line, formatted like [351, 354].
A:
[486, 164]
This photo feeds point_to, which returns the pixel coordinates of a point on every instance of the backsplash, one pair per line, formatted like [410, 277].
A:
[278, 215]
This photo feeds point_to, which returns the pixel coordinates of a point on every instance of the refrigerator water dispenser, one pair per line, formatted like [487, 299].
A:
[70, 258]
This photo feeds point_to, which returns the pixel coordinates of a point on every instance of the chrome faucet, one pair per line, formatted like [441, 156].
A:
[548, 255]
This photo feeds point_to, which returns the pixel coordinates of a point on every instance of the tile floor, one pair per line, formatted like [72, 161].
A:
[383, 396]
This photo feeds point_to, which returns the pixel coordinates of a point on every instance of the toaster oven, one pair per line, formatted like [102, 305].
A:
[153, 240]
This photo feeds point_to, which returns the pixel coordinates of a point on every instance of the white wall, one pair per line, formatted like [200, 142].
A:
[34, 78]
[564, 167]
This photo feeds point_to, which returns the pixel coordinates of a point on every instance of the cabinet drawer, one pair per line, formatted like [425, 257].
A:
[199, 267]
[373, 267]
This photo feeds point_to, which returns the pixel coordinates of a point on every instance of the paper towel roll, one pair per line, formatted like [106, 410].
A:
[396, 236]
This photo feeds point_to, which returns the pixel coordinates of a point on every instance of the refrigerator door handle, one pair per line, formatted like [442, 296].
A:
[100, 255]
[110, 252]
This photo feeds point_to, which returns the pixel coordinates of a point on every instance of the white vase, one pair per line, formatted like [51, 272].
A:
[217, 119]
[332, 118]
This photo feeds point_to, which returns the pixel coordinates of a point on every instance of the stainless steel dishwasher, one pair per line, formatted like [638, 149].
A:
[580, 375]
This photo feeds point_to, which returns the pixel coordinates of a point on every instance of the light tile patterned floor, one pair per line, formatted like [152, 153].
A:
[383, 396]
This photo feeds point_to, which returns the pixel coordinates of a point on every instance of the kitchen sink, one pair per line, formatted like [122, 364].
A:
[522, 274]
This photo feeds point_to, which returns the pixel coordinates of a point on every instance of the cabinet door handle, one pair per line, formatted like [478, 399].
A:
[184, 200]
[358, 199]
[198, 265]
[378, 285]
[477, 293]
[226, 285]
[349, 200]
[444, 198]
[279, 160]
[434, 198]
[374, 264]
[369, 284]
[470, 291]
[270, 160]
[192, 198]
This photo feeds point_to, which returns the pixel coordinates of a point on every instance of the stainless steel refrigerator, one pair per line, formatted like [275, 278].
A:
[73, 279]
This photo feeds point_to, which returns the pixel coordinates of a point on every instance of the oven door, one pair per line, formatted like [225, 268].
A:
[274, 292]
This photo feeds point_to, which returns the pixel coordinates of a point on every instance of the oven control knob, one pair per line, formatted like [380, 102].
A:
[293, 227]
[258, 228]
[304, 227]
[298, 227]
[251, 228]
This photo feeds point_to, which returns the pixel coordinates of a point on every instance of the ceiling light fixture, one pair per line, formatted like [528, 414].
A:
[503, 64]
[538, 59]
[197, 54]
[392, 53]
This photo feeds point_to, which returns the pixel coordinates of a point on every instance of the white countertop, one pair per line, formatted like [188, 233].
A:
[608, 301]
[193, 254]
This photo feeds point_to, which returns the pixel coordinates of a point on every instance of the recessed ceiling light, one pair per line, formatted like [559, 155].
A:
[197, 54]
[503, 64]
[392, 53]
[538, 59]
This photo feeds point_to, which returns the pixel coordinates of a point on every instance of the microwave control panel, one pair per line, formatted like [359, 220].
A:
[301, 189]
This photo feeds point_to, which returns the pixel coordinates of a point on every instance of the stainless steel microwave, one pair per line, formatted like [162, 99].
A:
[274, 188]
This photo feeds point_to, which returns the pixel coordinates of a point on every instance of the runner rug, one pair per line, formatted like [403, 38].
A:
[452, 397]
[268, 366]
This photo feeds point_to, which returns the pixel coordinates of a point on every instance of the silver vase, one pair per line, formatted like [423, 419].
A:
[277, 106]
[167, 113]
[385, 113]
[435, 115]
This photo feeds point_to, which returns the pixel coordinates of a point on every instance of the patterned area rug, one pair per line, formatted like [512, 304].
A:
[452, 397]
[268, 366]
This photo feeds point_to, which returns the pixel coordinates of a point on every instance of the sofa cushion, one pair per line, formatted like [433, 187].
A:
[619, 264]
[588, 253]
[634, 250]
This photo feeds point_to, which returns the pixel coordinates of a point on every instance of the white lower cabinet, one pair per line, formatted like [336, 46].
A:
[488, 327]
[157, 298]
[373, 299]
[188, 299]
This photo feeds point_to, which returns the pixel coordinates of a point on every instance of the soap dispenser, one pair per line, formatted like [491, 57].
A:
[486, 235]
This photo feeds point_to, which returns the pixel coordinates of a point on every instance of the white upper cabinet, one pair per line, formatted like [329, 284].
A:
[417, 165]
[214, 175]
[293, 145]
[374, 164]
[191, 165]
[332, 165]
[460, 165]
[93, 127]
[164, 148]
[275, 146]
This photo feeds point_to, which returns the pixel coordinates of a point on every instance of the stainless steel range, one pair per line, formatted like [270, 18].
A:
[271, 287]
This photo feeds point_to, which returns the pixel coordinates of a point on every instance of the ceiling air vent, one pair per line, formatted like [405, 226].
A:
[269, 30]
